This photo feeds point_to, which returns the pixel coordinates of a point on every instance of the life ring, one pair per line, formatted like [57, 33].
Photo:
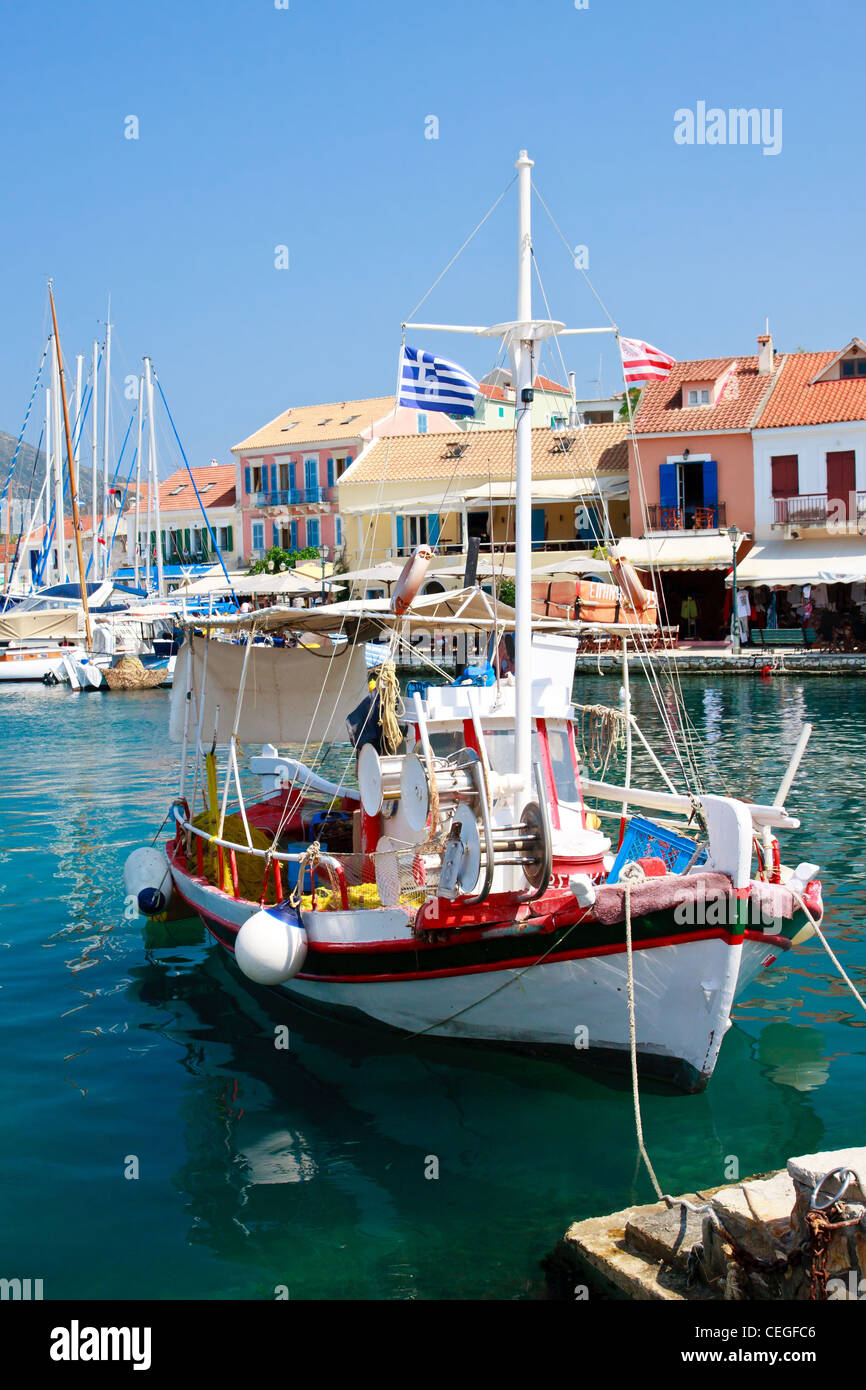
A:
[411, 579]
[638, 596]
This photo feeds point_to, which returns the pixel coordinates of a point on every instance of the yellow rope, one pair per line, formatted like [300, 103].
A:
[391, 707]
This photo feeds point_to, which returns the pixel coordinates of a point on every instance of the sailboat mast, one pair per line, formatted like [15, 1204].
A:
[94, 462]
[49, 446]
[106, 558]
[522, 362]
[135, 559]
[69, 456]
[59, 518]
[160, 579]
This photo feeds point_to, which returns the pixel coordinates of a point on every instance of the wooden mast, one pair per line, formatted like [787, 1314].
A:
[82, 584]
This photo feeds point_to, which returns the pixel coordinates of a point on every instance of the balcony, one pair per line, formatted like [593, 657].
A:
[816, 509]
[687, 518]
[293, 497]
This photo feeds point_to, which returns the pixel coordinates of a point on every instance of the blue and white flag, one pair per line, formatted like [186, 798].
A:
[428, 382]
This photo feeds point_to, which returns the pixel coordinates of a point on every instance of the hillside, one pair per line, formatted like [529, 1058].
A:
[24, 469]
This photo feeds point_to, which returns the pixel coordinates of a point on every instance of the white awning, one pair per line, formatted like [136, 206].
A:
[682, 550]
[283, 582]
[548, 489]
[831, 560]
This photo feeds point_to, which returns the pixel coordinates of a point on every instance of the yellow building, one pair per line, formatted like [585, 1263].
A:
[442, 489]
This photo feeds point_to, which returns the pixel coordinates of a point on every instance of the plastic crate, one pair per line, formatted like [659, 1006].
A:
[644, 839]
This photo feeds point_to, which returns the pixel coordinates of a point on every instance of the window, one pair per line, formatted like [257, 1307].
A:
[341, 464]
[313, 530]
[176, 490]
[285, 477]
[699, 395]
[338, 530]
[784, 469]
[563, 767]
[558, 422]
[500, 749]
[853, 366]
[422, 423]
[311, 474]
[258, 535]
[205, 487]
[411, 531]
[348, 420]
[259, 484]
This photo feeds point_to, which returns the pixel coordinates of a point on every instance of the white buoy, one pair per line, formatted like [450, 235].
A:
[148, 880]
[270, 950]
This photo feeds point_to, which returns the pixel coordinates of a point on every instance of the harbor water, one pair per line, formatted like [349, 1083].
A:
[156, 1143]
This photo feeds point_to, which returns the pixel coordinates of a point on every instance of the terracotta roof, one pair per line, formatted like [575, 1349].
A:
[216, 484]
[544, 383]
[312, 424]
[661, 411]
[490, 453]
[795, 402]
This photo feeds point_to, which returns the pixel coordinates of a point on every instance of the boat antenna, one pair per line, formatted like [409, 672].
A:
[82, 583]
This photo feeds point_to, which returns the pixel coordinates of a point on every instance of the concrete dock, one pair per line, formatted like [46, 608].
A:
[799, 1233]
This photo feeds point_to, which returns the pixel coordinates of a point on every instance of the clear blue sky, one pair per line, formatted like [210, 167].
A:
[305, 127]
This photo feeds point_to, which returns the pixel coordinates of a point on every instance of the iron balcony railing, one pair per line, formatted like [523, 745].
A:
[817, 509]
[293, 497]
[687, 518]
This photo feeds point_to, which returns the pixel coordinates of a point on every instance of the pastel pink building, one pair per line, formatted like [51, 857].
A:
[287, 471]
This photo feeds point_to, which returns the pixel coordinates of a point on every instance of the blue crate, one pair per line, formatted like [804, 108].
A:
[645, 840]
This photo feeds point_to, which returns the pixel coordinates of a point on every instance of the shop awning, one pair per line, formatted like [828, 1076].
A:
[683, 550]
[549, 489]
[779, 564]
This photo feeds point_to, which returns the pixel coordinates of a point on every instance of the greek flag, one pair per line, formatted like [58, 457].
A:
[431, 383]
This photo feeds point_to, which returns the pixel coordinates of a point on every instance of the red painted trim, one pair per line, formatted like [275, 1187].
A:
[782, 943]
[521, 963]
[547, 768]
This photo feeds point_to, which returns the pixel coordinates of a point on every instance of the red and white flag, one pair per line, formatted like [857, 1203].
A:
[643, 362]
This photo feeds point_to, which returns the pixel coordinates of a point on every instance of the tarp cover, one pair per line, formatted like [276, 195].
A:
[281, 701]
[41, 625]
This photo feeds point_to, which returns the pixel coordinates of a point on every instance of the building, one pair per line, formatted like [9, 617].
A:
[692, 478]
[442, 489]
[810, 482]
[186, 539]
[287, 472]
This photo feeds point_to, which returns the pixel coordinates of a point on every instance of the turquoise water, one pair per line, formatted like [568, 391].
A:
[305, 1168]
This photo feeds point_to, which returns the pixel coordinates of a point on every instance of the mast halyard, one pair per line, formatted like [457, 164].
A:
[82, 583]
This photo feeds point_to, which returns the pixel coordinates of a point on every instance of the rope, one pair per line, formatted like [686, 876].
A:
[460, 250]
[632, 1032]
[827, 947]
[390, 707]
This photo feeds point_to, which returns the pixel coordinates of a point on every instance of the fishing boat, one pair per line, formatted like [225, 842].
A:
[455, 879]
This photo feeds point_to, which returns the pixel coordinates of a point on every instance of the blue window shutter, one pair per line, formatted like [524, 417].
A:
[537, 527]
[294, 533]
[292, 480]
[330, 472]
[711, 484]
[273, 477]
[310, 473]
[247, 488]
[668, 492]
[275, 532]
[399, 533]
[422, 423]
[433, 529]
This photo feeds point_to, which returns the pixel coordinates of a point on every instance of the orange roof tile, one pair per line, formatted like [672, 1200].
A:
[490, 454]
[796, 402]
[312, 424]
[216, 485]
[661, 410]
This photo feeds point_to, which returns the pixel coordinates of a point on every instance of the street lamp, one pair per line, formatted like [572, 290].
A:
[324, 552]
[734, 536]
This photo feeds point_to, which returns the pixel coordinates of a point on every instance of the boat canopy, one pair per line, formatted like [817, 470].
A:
[299, 694]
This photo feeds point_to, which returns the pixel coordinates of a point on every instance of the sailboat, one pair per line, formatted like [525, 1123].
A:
[453, 880]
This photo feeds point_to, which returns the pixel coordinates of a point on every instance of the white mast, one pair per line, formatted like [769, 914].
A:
[79, 381]
[522, 358]
[94, 460]
[59, 526]
[160, 583]
[106, 558]
[138, 478]
[48, 452]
